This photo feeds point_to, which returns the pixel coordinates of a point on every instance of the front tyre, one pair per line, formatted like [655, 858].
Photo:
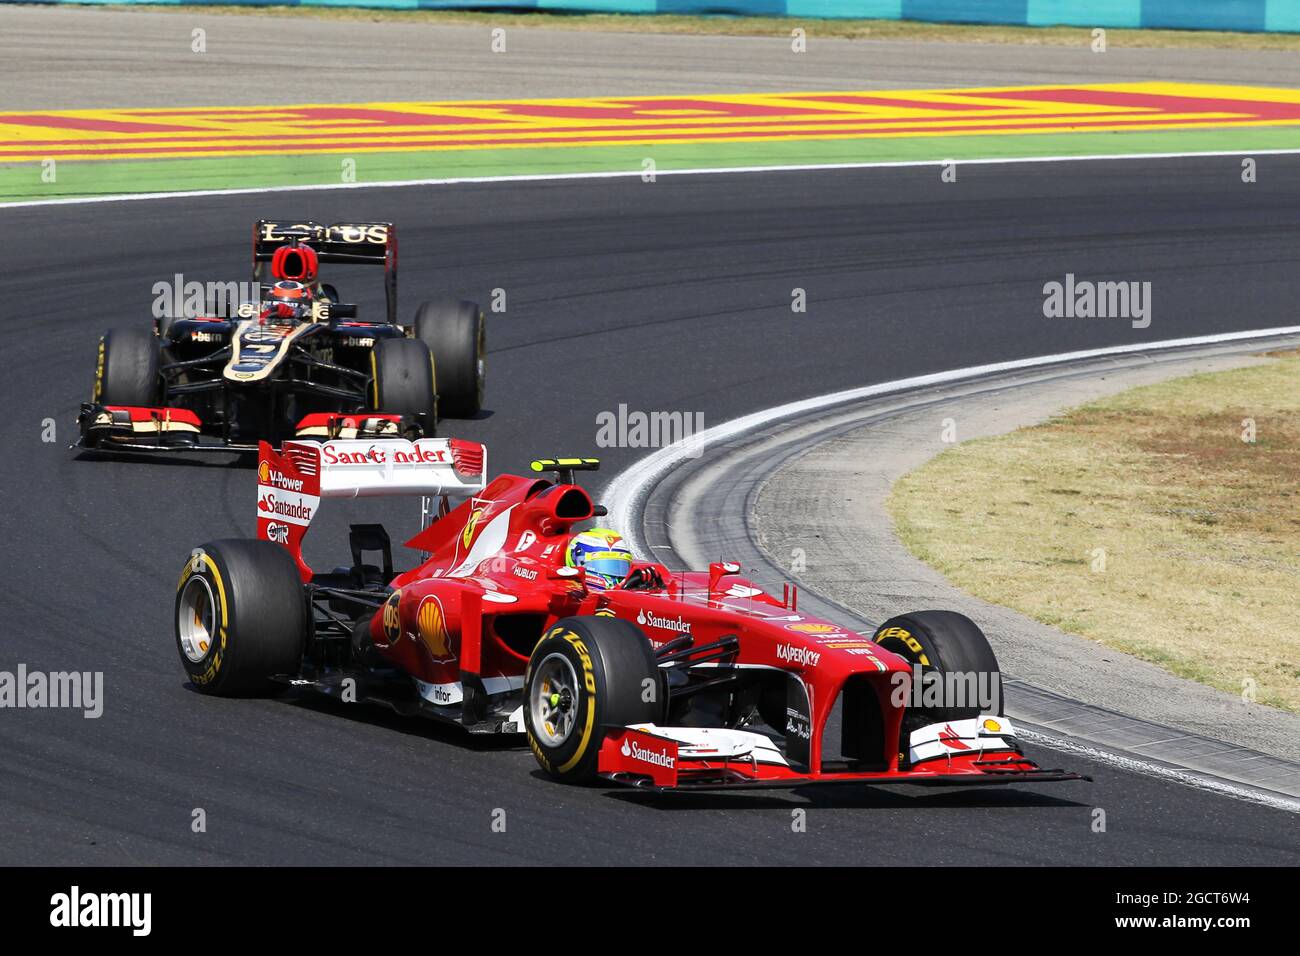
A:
[944, 643]
[126, 372]
[586, 673]
[241, 617]
[456, 333]
[403, 381]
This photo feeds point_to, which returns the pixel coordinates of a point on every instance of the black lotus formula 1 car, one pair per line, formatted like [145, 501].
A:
[223, 375]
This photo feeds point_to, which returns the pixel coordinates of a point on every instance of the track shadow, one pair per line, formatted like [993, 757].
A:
[841, 796]
[424, 727]
[214, 459]
[846, 797]
[171, 459]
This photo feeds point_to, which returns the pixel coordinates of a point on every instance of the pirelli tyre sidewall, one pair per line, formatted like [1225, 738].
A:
[126, 368]
[612, 661]
[947, 643]
[240, 617]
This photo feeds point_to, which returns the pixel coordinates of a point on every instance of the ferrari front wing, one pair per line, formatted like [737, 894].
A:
[977, 751]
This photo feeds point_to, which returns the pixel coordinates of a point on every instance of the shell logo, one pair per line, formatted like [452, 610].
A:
[432, 625]
[470, 525]
[812, 628]
[264, 472]
[992, 726]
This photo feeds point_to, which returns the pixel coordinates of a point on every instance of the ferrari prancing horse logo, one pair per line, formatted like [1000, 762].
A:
[470, 525]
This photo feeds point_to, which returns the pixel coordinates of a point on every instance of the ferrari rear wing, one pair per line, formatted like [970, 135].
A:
[356, 243]
[292, 482]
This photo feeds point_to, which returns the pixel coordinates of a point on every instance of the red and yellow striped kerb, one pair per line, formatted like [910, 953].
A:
[628, 120]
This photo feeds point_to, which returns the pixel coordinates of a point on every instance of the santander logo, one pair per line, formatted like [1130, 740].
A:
[675, 624]
[421, 454]
[634, 750]
[297, 510]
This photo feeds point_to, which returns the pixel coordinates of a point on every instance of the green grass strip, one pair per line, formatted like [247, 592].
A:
[73, 178]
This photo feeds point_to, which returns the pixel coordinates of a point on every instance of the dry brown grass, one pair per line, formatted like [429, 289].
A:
[776, 27]
[1200, 530]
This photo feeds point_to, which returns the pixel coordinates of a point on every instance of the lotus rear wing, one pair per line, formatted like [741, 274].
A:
[292, 482]
[357, 243]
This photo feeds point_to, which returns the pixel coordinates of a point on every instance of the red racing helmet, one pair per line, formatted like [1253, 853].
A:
[288, 299]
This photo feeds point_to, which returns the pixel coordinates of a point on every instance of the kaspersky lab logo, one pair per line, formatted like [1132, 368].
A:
[797, 655]
[675, 624]
[634, 750]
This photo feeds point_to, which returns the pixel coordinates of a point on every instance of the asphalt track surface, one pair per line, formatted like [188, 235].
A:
[673, 295]
[81, 58]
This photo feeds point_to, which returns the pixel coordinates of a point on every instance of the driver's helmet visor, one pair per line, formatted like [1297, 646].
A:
[280, 309]
[612, 566]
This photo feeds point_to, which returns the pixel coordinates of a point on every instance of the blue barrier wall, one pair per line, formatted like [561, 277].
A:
[1244, 15]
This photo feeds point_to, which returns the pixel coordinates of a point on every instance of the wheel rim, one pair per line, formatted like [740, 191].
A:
[553, 700]
[196, 618]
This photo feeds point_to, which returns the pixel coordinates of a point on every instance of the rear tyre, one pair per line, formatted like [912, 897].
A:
[942, 642]
[241, 617]
[455, 332]
[127, 370]
[586, 673]
[403, 382]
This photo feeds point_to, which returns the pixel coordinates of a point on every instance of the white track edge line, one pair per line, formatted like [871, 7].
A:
[627, 487]
[627, 173]
[1191, 778]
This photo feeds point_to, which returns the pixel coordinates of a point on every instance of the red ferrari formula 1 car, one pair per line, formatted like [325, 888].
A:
[652, 678]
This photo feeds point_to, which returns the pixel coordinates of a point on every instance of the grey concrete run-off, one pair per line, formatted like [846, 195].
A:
[829, 500]
[65, 58]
